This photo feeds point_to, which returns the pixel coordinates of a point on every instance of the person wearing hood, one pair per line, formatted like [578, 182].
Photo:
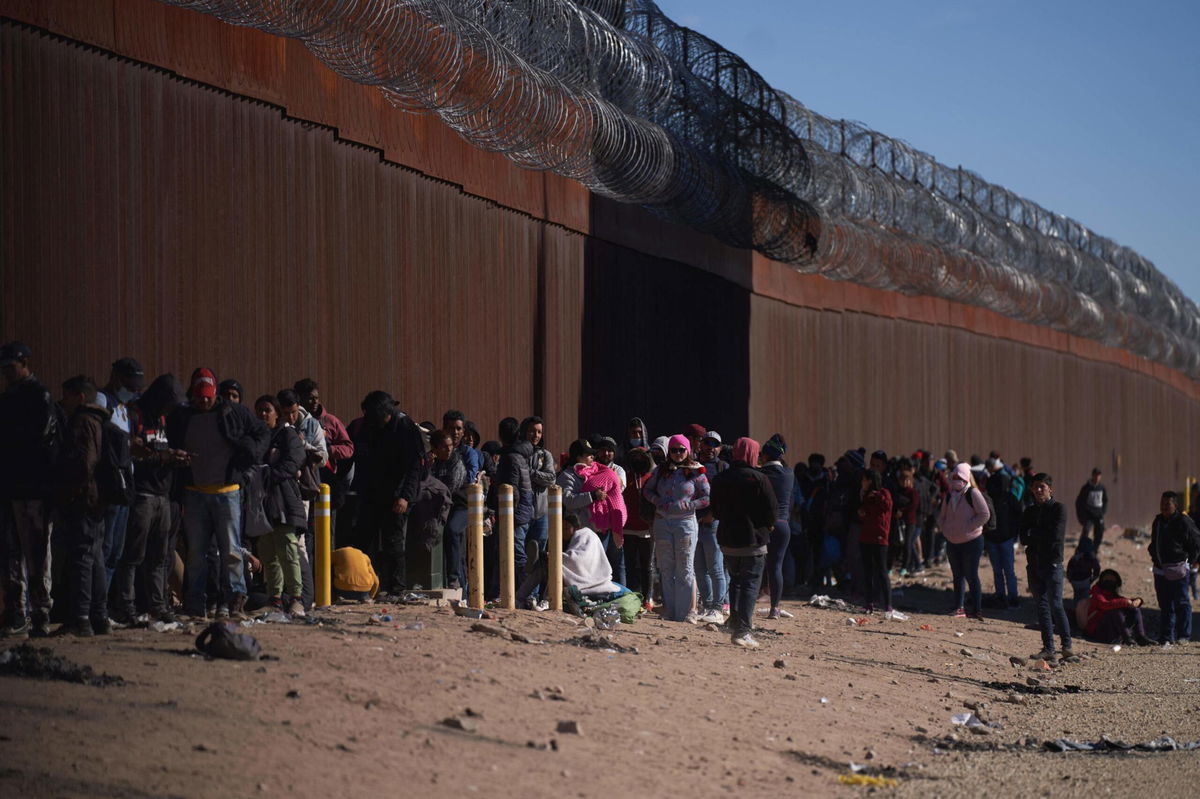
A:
[231, 390]
[639, 541]
[658, 450]
[677, 489]
[841, 516]
[712, 585]
[782, 482]
[126, 380]
[637, 436]
[961, 521]
[512, 469]
[153, 517]
[745, 504]
[391, 452]
[81, 509]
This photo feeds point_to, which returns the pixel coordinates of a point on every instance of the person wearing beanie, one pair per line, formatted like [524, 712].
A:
[961, 521]
[744, 502]
[223, 439]
[694, 433]
[678, 490]
[782, 482]
[712, 586]
[231, 390]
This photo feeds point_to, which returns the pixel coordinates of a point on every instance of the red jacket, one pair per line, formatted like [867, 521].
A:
[877, 518]
[1101, 602]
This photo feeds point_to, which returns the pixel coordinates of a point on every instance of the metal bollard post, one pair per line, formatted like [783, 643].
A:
[322, 563]
[475, 545]
[508, 588]
[554, 583]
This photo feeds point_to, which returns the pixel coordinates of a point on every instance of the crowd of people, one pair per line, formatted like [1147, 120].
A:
[124, 481]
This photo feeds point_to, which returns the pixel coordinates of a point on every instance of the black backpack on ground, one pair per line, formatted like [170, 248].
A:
[114, 472]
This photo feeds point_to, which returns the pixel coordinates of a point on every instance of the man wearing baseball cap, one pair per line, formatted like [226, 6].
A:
[222, 439]
[32, 427]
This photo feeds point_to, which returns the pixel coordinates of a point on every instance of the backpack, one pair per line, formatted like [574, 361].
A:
[114, 472]
[990, 527]
[220, 641]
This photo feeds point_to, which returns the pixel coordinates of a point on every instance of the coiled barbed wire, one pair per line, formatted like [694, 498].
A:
[616, 95]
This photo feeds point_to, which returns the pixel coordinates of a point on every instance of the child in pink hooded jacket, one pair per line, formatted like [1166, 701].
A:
[608, 513]
[961, 521]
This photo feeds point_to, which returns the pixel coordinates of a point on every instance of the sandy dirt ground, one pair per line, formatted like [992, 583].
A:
[351, 708]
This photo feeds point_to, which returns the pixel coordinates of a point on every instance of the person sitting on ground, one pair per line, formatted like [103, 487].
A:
[1083, 568]
[1112, 618]
[584, 565]
[354, 577]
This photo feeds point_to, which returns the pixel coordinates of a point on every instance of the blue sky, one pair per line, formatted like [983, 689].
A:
[1091, 109]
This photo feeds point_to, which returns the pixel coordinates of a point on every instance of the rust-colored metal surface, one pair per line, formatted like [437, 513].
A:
[149, 215]
[834, 380]
[186, 227]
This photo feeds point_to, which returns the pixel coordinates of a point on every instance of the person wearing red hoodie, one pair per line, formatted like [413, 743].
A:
[1112, 618]
[875, 511]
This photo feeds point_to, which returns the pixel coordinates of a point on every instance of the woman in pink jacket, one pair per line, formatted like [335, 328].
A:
[961, 521]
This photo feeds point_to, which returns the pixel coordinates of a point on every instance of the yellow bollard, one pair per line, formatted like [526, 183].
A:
[554, 583]
[508, 588]
[475, 545]
[1187, 494]
[322, 561]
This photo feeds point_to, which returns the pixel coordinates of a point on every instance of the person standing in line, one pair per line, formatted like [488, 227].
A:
[639, 542]
[876, 514]
[81, 510]
[33, 429]
[125, 383]
[1001, 542]
[782, 482]
[280, 547]
[678, 490]
[614, 539]
[745, 505]
[961, 521]
[1091, 505]
[712, 585]
[1174, 544]
[1043, 533]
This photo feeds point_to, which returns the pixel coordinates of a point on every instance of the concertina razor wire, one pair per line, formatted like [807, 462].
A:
[614, 94]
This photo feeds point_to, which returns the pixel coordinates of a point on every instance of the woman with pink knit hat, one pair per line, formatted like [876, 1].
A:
[961, 521]
[677, 489]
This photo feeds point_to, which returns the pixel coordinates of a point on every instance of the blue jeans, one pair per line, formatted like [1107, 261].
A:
[116, 522]
[964, 565]
[455, 538]
[675, 552]
[615, 555]
[1174, 609]
[1004, 571]
[208, 517]
[1046, 585]
[745, 576]
[711, 585]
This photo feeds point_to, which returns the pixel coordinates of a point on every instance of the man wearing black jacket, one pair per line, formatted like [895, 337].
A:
[1174, 544]
[1090, 506]
[389, 447]
[32, 429]
[1043, 531]
[743, 501]
[222, 440]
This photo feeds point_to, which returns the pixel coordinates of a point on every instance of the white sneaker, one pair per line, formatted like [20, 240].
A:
[541, 606]
[692, 618]
[296, 609]
[745, 640]
[714, 615]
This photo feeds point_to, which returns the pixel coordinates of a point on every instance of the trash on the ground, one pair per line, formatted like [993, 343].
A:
[1106, 744]
[276, 617]
[570, 727]
[867, 780]
[470, 613]
[825, 601]
[42, 664]
[219, 640]
[895, 615]
[959, 635]
[824, 700]
[926, 627]
[966, 720]
[857, 622]
[1116, 647]
[165, 627]
[607, 618]
[413, 598]
[416, 625]
[379, 618]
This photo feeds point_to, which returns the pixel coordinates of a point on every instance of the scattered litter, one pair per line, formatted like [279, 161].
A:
[966, 720]
[276, 617]
[220, 641]
[569, 728]
[824, 601]
[413, 598]
[868, 781]
[926, 627]
[607, 618]
[824, 700]
[857, 622]
[379, 618]
[470, 613]
[959, 635]
[42, 664]
[1116, 647]
[594, 639]
[416, 625]
[165, 627]
[895, 615]
[1106, 744]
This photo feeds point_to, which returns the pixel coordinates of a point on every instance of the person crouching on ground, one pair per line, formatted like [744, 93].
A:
[1043, 529]
[677, 489]
[280, 548]
[744, 503]
[1112, 618]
